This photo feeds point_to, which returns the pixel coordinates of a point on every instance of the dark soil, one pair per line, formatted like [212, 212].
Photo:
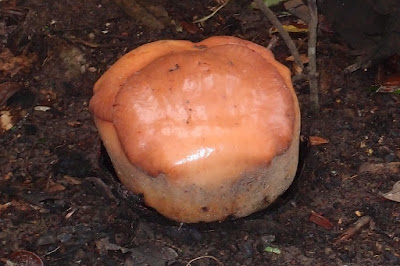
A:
[60, 200]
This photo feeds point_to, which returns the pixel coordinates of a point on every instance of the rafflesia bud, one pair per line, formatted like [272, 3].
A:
[204, 131]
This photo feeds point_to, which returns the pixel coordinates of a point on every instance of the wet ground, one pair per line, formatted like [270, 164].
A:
[60, 200]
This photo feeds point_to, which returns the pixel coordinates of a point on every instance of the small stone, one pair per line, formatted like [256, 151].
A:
[267, 239]
[46, 240]
[64, 237]
[390, 157]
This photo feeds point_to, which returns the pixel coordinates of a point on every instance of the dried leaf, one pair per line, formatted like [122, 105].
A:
[375, 168]
[151, 15]
[395, 89]
[74, 123]
[7, 89]
[392, 80]
[189, 27]
[3, 207]
[72, 181]
[299, 9]
[140, 255]
[21, 205]
[294, 28]
[314, 140]
[388, 89]
[394, 194]
[104, 245]
[297, 69]
[397, 152]
[10, 65]
[320, 220]
[6, 120]
[54, 187]
[8, 176]
[388, 84]
[303, 57]
[72, 60]
[359, 213]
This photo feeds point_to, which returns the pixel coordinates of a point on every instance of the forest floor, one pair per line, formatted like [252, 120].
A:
[60, 200]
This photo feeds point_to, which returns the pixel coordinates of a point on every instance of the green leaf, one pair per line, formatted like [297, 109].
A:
[373, 88]
[273, 250]
[270, 3]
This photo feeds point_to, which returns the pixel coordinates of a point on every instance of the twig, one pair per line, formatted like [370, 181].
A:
[16, 13]
[285, 35]
[299, 78]
[59, 34]
[361, 63]
[354, 229]
[353, 67]
[363, 60]
[205, 257]
[312, 51]
[52, 251]
[97, 181]
[272, 43]
[201, 20]
[91, 44]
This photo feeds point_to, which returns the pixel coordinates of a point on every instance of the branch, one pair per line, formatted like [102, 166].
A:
[289, 42]
[357, 226]
[312, 55]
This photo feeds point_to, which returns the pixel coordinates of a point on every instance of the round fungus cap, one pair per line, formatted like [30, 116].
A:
[204, 131]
